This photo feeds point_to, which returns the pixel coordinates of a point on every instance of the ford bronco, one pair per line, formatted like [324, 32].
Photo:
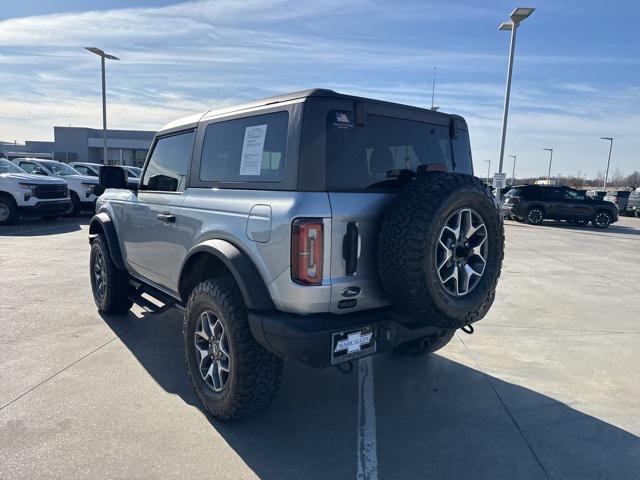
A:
[315, 227]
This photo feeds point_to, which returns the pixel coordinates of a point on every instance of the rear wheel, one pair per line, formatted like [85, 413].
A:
[535, 216]
[601, 220]
[231, 373]
[8, 210]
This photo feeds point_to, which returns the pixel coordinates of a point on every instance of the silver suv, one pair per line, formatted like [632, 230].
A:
[314, 226]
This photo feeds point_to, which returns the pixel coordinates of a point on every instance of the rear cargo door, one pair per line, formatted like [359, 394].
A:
[355, 222]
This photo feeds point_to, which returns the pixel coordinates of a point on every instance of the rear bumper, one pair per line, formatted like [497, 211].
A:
[309, 338]
[57, 207]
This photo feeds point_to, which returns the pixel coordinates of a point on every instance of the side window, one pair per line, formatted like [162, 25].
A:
[573, 195]
[553, 194]
[84, 170]
[462, 152]
[167, 168]
[250, 149]
[32, 168]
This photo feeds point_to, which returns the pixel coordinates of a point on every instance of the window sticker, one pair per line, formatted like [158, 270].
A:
[252, 149]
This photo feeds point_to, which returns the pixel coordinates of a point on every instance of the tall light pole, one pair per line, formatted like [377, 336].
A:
[550, 150]
[517, 16]
[513, 171]
[103, 56]
[488, 171]
[606, 175]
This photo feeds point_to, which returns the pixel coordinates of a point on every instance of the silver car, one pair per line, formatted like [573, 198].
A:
[313, 226]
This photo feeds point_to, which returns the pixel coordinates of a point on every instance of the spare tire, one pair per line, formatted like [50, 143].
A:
[440, 249]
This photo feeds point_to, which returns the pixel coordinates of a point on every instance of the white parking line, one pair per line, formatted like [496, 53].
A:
[367, 440]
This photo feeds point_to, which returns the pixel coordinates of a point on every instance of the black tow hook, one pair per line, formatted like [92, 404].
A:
[345, 368]
[468, 329]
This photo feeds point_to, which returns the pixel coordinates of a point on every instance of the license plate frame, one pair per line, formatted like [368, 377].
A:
[354, 343]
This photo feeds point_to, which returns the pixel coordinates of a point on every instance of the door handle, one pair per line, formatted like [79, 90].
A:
[167, 217]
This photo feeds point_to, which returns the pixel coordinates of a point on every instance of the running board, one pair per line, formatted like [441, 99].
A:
[140, 288]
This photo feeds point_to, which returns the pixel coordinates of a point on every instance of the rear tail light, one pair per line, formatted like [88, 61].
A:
[307, 251]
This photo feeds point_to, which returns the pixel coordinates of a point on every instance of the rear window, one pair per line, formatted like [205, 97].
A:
[514, 192]
[250, 149]
[384, 152]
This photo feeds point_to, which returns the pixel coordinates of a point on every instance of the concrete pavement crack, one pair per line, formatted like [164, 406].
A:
[75, 362]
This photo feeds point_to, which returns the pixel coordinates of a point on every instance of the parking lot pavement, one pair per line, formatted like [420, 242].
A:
[547, 387]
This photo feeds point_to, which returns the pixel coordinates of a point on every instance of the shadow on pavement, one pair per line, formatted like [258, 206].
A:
[586, 229]
[37, 228]
[436, 418]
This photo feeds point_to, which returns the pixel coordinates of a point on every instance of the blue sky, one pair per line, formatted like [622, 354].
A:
[576, 78]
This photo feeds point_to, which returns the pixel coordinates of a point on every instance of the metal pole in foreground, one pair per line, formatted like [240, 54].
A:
[513, 171]
[606, 175]
[103, 56]
[550, 150]
[517, 16]
[507, 95]
[104, 115]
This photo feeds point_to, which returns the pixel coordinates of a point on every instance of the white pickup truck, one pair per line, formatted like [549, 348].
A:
[30, 195]
[84, 190]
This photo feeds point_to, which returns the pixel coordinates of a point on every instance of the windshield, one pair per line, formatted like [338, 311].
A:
[133, 171]
[60, 169]
[8, 167]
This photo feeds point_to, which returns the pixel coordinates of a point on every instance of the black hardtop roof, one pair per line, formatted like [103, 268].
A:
[324, 92]
[286, 97]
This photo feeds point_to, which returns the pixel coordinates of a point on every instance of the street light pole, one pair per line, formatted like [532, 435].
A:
[550, 150]
[513, 171]
[103, 56]
[517, 16]
[606, 175]
[488, 171]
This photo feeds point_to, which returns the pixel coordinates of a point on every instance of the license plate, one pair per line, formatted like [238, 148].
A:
[352, 344]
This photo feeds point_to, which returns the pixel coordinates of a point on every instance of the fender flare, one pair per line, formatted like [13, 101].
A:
[252, 287]
[102, 223]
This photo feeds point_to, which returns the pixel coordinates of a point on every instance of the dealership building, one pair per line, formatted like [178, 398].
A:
[81, 144]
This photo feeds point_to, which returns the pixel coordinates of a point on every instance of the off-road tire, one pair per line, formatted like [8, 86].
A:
[407, 243]
[535, 216]
[10, 204]
[115, 298]
[597, 223]
[417, 348]
[254, 376]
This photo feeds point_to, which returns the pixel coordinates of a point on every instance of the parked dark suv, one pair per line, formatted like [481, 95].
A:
[535, 203]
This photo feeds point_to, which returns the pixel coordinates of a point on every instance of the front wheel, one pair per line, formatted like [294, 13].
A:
[535, 216]
[76, 206]
[231, 373]
[110, 285]
[8, 211]
[601, 220]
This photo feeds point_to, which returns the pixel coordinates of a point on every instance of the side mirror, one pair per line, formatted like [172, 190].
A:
[113, 177]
